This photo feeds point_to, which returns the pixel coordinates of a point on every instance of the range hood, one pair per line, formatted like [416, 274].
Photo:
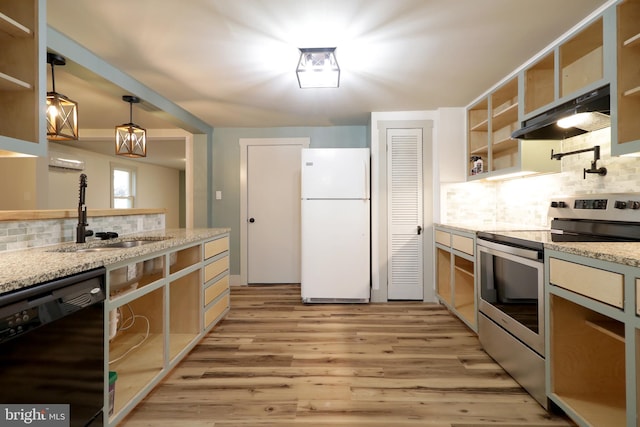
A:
[544, 126]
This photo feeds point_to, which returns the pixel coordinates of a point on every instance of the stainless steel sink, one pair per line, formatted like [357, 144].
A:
[114, 246]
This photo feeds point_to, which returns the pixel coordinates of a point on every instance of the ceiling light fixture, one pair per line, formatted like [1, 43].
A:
[318, 67]
[131, 139]
[62, 113]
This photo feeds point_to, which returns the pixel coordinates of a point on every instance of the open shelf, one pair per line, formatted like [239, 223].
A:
[633, 41]
[12, 27]
[20, 98]
[11, 83]
[581, 59]
[444, 275]
[135, 276]
[184, 317]
[184, 258]
[628, 52]
[138, 360]
[588, 362]
[611, 328]
[539, 83]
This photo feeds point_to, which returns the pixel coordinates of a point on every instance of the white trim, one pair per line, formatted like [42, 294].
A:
[244, 145]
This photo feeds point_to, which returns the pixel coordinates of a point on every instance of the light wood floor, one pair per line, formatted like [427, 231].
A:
[276, 362]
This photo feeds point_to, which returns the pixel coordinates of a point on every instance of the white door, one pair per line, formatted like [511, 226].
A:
[273, 214]
[404, 194]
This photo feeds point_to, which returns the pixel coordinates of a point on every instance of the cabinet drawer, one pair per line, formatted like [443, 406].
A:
[213, 312]
[463, 244]
[601, 285]
[215, 268]
[443, 238]
[216, 247]
[216, 289]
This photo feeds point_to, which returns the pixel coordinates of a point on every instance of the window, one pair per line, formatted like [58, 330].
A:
[123, 184]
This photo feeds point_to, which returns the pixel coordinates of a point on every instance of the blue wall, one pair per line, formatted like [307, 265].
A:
[226, 167]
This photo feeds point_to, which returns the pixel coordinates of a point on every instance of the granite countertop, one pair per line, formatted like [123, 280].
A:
[23, 268]
[625, 253]
[474, 227]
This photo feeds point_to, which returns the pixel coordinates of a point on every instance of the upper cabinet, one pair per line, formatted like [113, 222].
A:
[540, 83]
[581, 60]
[577, 64]
[491, 121]
[21, 73]
[627, 106]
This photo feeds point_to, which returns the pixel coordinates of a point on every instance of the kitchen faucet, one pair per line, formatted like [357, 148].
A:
[81, 231]
[602, 171]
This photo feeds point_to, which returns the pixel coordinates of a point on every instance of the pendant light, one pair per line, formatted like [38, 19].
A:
[62, 113]
[131, 139]
[318, 68]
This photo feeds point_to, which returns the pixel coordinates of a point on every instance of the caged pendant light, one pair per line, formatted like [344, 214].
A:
[131, 139]
[62, 113]
[318, 68]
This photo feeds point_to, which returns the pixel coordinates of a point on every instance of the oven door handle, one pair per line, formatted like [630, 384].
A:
[521, 252]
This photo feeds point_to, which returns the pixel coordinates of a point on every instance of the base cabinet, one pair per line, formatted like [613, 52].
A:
[159, 307]
[455, 273]
[593, 335]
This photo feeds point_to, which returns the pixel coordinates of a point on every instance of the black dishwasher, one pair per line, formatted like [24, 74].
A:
[52, 349]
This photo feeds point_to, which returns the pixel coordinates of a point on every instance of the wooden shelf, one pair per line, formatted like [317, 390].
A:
[481, 150]
[505, 117]
[613, 329]
[480, 127]
[138, 368]
[11, 83]
[633, 41]
[467, 311]
[632, 92]
[12, 27]
[504, 145]
[465, 272]
[597, 409]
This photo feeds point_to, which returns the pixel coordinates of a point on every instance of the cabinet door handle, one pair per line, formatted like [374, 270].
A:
[419, 230]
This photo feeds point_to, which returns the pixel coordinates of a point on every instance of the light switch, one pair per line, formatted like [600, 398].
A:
[218, 195]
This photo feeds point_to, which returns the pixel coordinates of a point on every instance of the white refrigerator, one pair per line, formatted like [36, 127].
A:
[336, 260]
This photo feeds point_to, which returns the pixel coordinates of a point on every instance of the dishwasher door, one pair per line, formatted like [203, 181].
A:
[52, 348]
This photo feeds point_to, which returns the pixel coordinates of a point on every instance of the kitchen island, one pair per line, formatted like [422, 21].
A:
[165, 290]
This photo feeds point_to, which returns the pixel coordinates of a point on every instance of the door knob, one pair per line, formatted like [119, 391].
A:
[252, 220]
[419, 229]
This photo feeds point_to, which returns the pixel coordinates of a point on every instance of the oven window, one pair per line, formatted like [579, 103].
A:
[511, 287]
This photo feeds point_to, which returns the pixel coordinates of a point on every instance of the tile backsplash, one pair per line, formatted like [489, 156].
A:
[34, 233]
[526, 200]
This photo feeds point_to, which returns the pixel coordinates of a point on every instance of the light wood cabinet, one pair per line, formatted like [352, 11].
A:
[455, 273]
[627, 126]
[22, 24]
[159, 307]
[540, 83]
[594, 344]
[491, 121]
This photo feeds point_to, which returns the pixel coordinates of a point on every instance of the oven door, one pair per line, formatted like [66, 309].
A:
[511, 291]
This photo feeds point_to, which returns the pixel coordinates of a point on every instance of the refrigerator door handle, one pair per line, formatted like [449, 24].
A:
[366, 183]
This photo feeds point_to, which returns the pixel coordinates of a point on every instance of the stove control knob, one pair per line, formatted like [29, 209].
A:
[634, 204]
[559, 204]
[619, 204]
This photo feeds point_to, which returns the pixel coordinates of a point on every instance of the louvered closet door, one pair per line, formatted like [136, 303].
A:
[404, 193]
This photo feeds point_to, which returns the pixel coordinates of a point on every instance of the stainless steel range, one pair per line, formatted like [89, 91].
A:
[511, 279]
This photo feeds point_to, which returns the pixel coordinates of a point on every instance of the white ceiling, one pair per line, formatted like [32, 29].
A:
[232, 63]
